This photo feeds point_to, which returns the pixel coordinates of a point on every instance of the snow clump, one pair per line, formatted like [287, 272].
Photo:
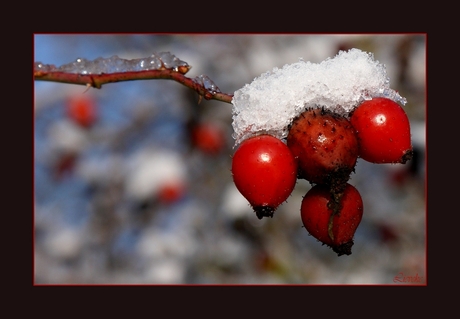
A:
[274, 99]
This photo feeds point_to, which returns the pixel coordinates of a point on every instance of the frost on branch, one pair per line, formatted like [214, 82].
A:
[207, 83]
[114, 64]
[273, 99]
[101, 71]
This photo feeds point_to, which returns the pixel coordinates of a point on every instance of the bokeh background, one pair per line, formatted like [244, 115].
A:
[133, 182]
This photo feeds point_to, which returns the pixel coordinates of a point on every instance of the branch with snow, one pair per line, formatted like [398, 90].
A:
[268, 104]
[271, 101]
[100, 71]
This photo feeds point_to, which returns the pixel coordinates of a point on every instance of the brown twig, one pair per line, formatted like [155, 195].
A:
[97, 80]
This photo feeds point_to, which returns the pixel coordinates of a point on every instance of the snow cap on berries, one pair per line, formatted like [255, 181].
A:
[339, 84]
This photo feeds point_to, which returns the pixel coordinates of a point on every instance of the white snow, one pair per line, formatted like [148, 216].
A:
[68, 137]
[66, 242]
[270, 102]
[149, 170]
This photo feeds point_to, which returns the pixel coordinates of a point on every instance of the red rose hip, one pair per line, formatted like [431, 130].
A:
[324, 145]
[332, 219]
[208, 137]
[265, 173]
[82, 110]
[383, 131]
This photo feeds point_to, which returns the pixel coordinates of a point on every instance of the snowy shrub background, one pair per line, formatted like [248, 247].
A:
[133, 200]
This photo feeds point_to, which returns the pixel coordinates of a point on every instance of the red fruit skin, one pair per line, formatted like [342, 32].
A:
[383, 131]
[324, 145]
[171, 192]
[316, 213]
[265, 172]
[82, 110]
[209, 138]
[65, 164]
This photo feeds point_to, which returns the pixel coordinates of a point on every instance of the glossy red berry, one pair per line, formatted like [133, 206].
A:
[332, 218]
[171, 191]
[264, 171]
[383, 131]
[82, 110]
[324, 145]
[208, 137]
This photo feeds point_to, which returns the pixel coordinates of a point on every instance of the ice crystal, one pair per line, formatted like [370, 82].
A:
[114, 64]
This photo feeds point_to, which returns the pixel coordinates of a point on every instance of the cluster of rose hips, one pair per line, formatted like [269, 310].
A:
[322, 147]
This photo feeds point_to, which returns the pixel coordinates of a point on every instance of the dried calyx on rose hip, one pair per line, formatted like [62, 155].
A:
[264, 171]
[325, 146]
[332, 218]
[383, 131]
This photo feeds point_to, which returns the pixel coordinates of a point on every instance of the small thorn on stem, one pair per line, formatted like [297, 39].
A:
[88, 86]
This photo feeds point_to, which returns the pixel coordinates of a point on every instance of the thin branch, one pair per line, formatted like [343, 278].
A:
[97, 80]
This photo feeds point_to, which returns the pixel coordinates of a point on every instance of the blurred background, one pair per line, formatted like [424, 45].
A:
[133, 182]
